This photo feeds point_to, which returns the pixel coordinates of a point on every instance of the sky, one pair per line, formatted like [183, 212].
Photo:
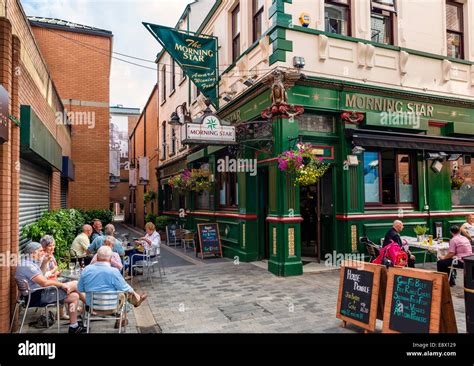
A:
[130, 85]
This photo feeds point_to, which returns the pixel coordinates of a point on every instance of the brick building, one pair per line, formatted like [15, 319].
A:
[143, 156]
[31, 158]
[79, 58]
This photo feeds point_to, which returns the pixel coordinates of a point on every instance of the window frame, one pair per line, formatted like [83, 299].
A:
[235, 36]
[257, 14]
[459, 33]
[450, 191]
[163, 84]
[391, 17]
[163, 140]
[172, 76]
[173, 145]
[348, 6]
[231, 183]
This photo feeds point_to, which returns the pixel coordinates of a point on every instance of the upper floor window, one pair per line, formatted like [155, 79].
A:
[454, 29]
[163, 83]
[337, 14]
[173, 75]
[257, 20]
[382, 21]
[236, 33]
[173, 142]
[163, 140]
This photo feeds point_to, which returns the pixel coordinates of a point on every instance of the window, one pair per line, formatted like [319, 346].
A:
[236, 33]
[163, 140]
[462, 181]
[454, 31]
[183, 75]
[257, 21]
[337, 17]
[173, 142]
[228, 189]
[173, 76]
[317, 123]
[163, 83]
[382, 21]
[388, 177]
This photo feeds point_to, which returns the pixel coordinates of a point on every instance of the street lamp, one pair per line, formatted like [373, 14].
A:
[175, 120]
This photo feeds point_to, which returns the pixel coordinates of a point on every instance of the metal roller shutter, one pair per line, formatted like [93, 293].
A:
[34, 195]
[64, 192]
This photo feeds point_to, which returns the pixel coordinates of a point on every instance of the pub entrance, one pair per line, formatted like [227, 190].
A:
[317, 211]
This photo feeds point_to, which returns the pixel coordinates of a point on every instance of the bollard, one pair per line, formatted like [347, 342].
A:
[469, 292]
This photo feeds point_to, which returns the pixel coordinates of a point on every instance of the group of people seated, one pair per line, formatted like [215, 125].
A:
[102, 253]
[460, 246]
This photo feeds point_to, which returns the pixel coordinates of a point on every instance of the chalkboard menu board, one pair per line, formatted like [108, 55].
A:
[357, 294]
[209, 239]
[171, 234]
[418, 301]
[361, 293]
[411, 305]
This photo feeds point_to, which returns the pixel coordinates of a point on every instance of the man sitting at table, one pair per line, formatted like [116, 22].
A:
[29, 272]
[96, 229]
[394, 235]
[459, 247]
[467, 229]
[115, 261]
[99, 241]
[81, 243]
[101, 277]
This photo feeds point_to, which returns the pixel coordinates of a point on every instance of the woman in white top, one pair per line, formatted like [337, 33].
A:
[468, 228]
[152, 237]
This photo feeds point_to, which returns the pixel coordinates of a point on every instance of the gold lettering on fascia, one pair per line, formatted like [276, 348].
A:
[387, 105]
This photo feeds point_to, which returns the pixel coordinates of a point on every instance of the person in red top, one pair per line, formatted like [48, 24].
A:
[459, 247]
[49, 266]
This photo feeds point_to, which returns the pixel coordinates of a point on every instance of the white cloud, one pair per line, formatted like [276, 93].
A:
[130, 85]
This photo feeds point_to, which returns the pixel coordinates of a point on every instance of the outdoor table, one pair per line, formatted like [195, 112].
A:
[69, 275]
[439, 249]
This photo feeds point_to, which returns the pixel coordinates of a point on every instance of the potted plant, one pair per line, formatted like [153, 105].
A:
[456, 182]
[302, 164]
[149, 196]
[181, 182]
[420, 231]
[200, 180]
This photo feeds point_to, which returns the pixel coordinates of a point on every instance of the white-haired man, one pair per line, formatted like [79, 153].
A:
[101, 277]
[81, 242]
[394, 235]
[99, 241]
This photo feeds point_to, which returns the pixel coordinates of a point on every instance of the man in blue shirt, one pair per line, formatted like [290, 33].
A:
[99, 241]
[102, 277]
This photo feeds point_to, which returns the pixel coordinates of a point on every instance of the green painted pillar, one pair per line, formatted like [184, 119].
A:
[284, 207]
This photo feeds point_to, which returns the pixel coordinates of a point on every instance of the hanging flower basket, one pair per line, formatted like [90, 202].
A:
[200, 180]
[181, 182]
[302, 165]
[456, 182]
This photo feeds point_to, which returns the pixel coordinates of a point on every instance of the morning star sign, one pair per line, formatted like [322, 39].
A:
[197, 56]
[210, 132]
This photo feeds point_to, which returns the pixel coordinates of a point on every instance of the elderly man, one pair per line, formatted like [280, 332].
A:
[115, 261]
[99, 241]
[81, 242]
[101, 277]
[394, 235]
[97, 229]
[467, 229]
[29, 275]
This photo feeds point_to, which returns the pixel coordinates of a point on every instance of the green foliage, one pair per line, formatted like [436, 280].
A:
[149, 196]
[162, 221]
[106, 216]
[420, 230]
[151, 217]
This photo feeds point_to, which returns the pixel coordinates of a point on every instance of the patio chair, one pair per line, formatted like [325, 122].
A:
[188, 240]
[149, 260]
[24, 302]
[372, 249]
[108, 306]
[453, 267]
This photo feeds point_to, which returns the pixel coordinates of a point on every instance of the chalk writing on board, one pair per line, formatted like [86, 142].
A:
[357, 294]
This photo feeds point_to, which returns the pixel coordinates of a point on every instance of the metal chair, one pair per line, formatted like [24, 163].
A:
[372, 248]
[453, 267]
[24, 301]
[187, 239]
[108, 306]
[149, 260]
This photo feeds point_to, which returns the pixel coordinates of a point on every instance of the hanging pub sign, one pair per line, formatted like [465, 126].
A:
[197, 56]
[4, 103]
[210, 132]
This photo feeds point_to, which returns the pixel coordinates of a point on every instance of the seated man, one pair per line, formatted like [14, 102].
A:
[96, 229]
[467, 229]
[394, 235]
[81, 242]
[459, 247]
[99, 241]
[115, 261]
[29, 270]
[101, 277]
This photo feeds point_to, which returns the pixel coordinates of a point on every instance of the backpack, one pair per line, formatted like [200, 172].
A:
[392, 255]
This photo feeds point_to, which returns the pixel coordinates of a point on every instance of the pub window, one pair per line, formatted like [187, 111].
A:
[173, 142]
[317, 123]
[388, 177]
[257, 20]
[462, 181]
[454, 29]
[163, 83]
[228, 189]
[236, 33]
[173, 76]
[337, 14]
[382, 21]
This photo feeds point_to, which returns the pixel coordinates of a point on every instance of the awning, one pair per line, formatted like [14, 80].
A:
[409, 141]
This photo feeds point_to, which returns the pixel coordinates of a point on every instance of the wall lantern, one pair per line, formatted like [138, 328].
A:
[175, 119]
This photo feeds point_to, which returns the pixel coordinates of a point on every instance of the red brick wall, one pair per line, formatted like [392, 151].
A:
[82, 73]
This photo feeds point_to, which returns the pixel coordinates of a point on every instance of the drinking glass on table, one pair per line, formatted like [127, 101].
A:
[77, 268]
[71, 266]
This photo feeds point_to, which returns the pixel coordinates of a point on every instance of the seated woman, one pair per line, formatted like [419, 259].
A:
[150, 240]
[459, 247]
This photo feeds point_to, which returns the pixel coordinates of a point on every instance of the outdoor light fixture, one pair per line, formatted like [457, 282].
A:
[298, 62]
[432, 156]
[454, 157]
[356, 150]
[175, 120]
